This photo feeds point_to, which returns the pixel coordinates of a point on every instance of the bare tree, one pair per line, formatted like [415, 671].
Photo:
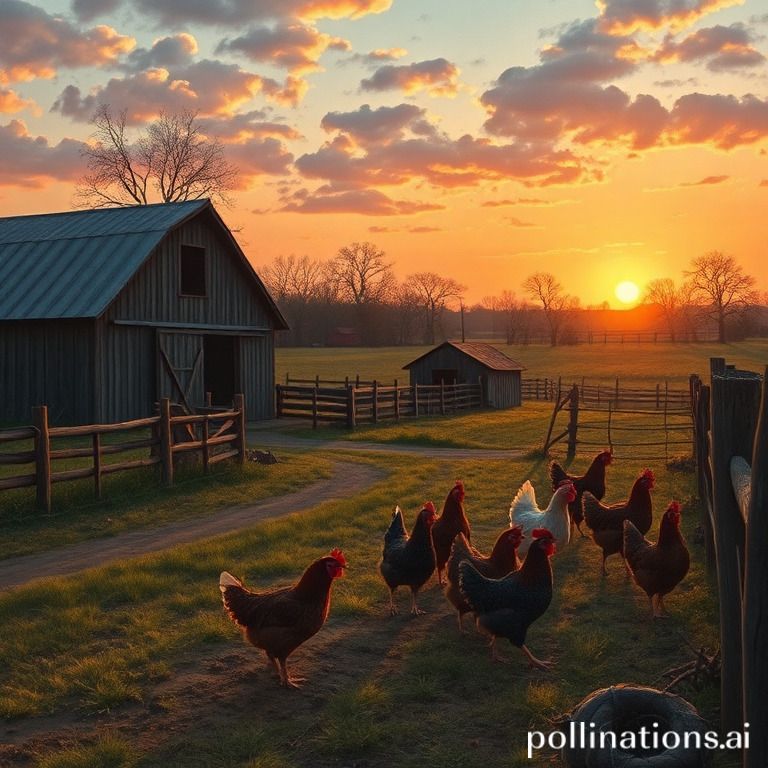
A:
[170, 161]
[557, 304]
[433, 292]
[514, 313]
[663, 292]
[720, 282]
[364, 276]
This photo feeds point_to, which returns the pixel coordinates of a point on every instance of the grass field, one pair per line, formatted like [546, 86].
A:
[136, 665]
[641, 364]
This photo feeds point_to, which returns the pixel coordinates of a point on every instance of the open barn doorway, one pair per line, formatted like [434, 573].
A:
[219, 368]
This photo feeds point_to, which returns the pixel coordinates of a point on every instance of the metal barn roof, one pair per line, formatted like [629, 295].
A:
[485, 354]
[74, 264]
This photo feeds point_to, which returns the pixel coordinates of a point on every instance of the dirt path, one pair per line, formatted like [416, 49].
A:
[347, 478]
[275, 440]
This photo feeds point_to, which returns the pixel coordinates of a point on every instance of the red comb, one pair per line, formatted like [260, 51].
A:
[674, 507]
[565, 482]
[428, 505]
[649, 474]
[459, 488]
[338, 555]
[541, 533]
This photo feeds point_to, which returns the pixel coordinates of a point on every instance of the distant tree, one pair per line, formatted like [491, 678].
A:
[406, 305]
[364, 278]
[433, 293]
[514, 314]
[669, 297]
[169, 161]
[717, 280]
[556, 304]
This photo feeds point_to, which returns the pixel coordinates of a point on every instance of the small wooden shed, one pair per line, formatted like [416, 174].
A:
[103, 312]
[456, 362]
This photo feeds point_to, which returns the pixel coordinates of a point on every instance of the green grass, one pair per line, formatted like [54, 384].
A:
[636, 364]
[385, 691]
[135, 499]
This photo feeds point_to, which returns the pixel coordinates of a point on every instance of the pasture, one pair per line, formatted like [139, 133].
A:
[135, 663]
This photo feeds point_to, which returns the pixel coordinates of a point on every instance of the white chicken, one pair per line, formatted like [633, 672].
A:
[525, 512]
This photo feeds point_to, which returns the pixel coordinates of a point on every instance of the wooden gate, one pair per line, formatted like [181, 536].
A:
[180, 368]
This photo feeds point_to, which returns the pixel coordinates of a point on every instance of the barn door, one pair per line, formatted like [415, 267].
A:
[180, 368]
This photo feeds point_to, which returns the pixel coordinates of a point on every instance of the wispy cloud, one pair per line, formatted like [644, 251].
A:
[438, 77]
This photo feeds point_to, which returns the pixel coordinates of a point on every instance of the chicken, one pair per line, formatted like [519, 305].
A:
[593, 480]
[279, 620]
[451, 522]
[607, 522]
[525, 513]
[507, 607]
[657, 568]
[502, 560]
[408, 560]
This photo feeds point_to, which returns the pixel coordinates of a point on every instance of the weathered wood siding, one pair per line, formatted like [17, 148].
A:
[257, 376]
[43, 362]
[503, 389]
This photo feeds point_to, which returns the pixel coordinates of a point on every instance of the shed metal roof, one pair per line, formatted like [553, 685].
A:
[486, 354]
[74, 264]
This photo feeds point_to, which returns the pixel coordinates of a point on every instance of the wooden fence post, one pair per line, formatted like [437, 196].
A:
[166, 441]
[242, 440]
[375, 401]
[482, 394]
[209, 399]
[314, 407]
[442, 397]
[573, 422]
[616, 398]
[700, 405]
[42, 458]
[397, 401]
[733, 416]
[206, 449]
[351, 415]
[279, 401]
[416, 399]
[755, 627]
[97, 463]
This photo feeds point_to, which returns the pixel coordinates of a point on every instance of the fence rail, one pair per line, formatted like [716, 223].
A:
[206, 433]
[351, 405]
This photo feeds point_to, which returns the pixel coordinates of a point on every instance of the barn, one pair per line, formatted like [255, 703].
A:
[467, 362]
[103, 312]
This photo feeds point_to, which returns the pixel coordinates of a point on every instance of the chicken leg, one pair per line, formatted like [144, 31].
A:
[538, 663]
[286, 679]
[415, 610]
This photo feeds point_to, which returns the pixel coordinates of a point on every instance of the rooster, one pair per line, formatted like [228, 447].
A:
[657, 568]
[507, 607]
[593, 480]
[408, 560]
[279, 620]
[502, 560]
[525, 513]
[451, 522]
[607, 522]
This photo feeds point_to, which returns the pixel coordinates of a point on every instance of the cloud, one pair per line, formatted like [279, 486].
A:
[384, 124]
[706, 181]
[87, 10]
[438, 77]
[173, 51]
[246, 125]
[513, 221]
[370, 202]
[36, 44]
[374, 58]
[208, 86]
[440, 161]
[258, 157]
[627, 16]
[725, 47]
[11, 102]
[31, 161]
[236, 13]
[525, 201]
[293, 46]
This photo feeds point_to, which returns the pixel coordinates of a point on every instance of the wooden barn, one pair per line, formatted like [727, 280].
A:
[103, 312]
[456, 362]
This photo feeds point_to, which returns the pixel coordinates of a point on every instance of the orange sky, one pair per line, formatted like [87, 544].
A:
[592, 140]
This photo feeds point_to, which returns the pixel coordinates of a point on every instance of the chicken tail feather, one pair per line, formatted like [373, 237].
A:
[228, 580]
[557, 474]
[634, 541]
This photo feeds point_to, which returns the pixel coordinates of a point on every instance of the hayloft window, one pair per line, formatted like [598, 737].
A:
[192, 271]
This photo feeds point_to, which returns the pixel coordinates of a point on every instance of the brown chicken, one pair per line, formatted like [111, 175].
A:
[279, 620]
[607, 522]
[657, 568]
[593, 480]
[502, 560]
[452, 521]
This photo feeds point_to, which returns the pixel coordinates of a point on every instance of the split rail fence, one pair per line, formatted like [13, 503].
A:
[216, 436]
[348, 404]
[731, 451]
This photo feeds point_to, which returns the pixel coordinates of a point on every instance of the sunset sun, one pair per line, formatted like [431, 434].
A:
[627, 292]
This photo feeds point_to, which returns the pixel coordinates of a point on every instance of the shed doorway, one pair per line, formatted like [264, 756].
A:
[219, 368]
[444, 375]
